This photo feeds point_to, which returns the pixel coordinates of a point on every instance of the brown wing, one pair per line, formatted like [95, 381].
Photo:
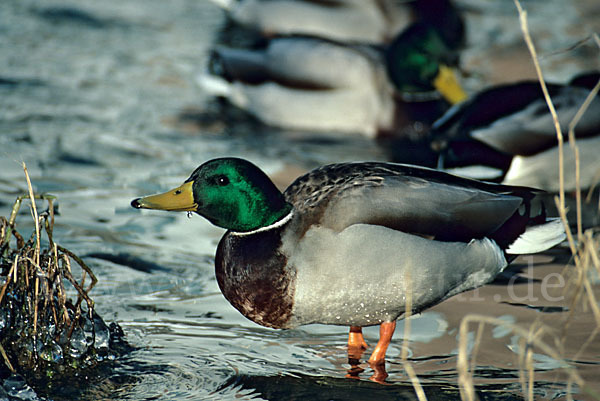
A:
[411, 199]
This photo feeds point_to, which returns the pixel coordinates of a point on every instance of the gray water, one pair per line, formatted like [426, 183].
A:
[98, 99]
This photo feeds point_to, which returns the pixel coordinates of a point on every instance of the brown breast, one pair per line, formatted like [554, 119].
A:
[253, 276]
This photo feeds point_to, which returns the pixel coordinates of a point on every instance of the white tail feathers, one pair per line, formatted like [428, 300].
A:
[214, 85]
[538, 238]
[217, 86]
[226, 4]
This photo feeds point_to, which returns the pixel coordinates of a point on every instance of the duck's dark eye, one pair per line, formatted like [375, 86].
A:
[222, 180]
[178, 192]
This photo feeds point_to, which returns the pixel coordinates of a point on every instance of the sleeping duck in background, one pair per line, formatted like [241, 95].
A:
[346, 244]
[509, 127]
[364, 21]
[309, 83]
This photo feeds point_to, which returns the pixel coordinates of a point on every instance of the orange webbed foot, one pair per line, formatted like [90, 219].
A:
[379, 373]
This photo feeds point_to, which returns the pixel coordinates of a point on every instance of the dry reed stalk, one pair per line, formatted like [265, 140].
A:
[526, 368]
[35, 304]
[36, 260]
[13, 268]
[572, 142]
[590, 291]
[521, 362]
[36, 217]
[595, 257]
[577, 186]
[465, 380]
[407, 315]
[414, 379]
[476, 346]
[586, 343]
[529, 367]
[538, 70]
[6, 360]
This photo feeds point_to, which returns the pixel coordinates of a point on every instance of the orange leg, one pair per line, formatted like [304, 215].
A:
[386, 331]
[355, 338]
[356, 347]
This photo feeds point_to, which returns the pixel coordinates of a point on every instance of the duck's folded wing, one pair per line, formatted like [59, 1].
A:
[299, 62]
[322, 64]
[486, 107]
[422, 207]
[453, 209]
[531, 130]
[515, 118]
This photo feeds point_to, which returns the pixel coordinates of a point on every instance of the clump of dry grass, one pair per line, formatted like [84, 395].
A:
[585, 249]
[42, 332]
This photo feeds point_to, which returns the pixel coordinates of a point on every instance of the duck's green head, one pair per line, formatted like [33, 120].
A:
[231, 193]
[418, 60]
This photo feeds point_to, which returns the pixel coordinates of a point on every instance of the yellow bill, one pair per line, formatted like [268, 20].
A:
[179, 199]
[447, 84]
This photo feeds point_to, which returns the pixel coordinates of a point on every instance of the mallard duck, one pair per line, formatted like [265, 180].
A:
[344, 20]
[346, 244]
[510, 127]
[311, 83]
